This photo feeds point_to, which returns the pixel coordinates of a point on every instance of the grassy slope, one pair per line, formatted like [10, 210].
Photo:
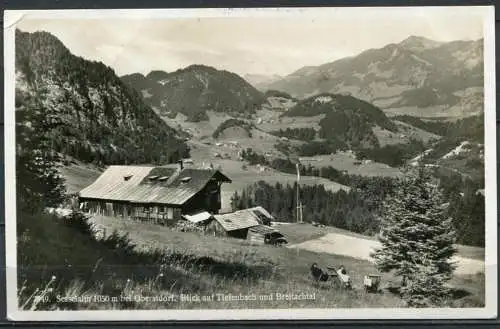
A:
[80, 266]
[192, 264]
[280, 269]
[290, 267]
[343, 161]
[79, 176]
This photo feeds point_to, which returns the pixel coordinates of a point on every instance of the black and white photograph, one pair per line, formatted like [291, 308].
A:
[250, 164]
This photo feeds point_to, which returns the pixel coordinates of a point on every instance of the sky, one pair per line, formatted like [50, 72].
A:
[245, 43]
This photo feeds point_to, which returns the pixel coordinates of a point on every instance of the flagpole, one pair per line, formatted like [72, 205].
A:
[299, 219]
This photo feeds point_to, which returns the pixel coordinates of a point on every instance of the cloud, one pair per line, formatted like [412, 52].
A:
[263, 45]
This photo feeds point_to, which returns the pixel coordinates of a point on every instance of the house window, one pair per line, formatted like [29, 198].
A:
[170, 213]
[109, 209]
[165, 210]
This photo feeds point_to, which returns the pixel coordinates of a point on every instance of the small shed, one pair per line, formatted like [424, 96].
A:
[263, 234]
[234, 224]
[252, 223]
[264, 217]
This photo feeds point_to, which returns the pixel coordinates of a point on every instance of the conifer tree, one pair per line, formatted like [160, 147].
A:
[39, 183]
[417, 239]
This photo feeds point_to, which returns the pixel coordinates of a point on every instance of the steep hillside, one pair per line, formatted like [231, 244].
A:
[347, 119]
[96, 117]
[460, 150]
[278, 100]
[417, 76]
[196, 89]
[471, 128]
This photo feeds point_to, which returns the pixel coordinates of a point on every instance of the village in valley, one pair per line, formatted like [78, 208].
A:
[201, 182]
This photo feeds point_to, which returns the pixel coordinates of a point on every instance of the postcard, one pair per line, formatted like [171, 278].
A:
[251, 164]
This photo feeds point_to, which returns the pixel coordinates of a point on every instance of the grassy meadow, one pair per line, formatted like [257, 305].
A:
[133, 265]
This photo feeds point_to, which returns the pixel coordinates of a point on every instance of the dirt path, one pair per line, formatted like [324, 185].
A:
[340, 244]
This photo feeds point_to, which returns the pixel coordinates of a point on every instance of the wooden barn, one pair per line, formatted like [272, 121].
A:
[154, 194]
[234, 224]
[251, 224]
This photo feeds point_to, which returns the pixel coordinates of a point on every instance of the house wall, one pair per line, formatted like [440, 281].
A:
[215, 229]
[158, 214]
[238, 234]
[256, 238]
[208, 199]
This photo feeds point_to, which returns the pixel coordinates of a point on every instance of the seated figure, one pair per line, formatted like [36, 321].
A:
[342, 273]
[318, 274]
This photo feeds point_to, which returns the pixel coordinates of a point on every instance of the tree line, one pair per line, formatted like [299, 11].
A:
[302, 134]
[394, 155]
[321, 147]
[467, 128]
[465, 205]
[347, 210]
[356, 210]
[233, 123]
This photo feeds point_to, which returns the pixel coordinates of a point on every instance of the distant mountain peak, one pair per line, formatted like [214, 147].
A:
[417, 75]
[195, 89]
[414, 42]
[157, 75]
[200, 67]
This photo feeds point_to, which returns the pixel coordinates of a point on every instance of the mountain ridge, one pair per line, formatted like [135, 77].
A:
[419, 74]
[346, 118]
[102, 120]
[195, 89]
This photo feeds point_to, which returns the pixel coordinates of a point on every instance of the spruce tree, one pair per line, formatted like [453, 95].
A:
[417, 239]
[39, 183]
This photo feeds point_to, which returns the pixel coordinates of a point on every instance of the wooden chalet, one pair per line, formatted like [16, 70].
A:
[154, 194]
[251, 224]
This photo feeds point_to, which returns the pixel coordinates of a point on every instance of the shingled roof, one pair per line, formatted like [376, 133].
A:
[237, 220]
[245, 218]
[146, 184]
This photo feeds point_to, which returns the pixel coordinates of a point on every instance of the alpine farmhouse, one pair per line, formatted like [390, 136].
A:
[158, 195]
